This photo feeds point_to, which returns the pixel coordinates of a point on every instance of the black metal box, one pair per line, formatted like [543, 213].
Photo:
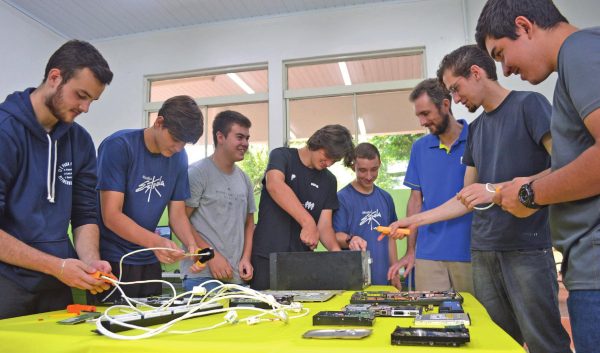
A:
[345, 270]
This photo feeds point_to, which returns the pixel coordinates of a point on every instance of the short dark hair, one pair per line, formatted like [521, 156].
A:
[367, 151]
[461, 60]
[336, 140]
[497, 19]
[436, 91]
[225, 119]
[76, 55]
[182, 118]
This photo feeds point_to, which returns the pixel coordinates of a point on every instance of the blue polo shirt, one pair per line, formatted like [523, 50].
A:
[437, 171]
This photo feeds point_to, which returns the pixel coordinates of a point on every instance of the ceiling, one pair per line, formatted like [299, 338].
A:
[102, 19]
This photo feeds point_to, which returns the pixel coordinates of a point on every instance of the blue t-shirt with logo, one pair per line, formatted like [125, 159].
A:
[149, 181]
[439, 174]
[359, 214]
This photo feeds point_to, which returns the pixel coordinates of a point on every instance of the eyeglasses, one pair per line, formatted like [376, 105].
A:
[454, 87]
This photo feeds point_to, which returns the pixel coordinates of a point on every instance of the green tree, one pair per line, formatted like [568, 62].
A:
[254, 164]
[393, 149]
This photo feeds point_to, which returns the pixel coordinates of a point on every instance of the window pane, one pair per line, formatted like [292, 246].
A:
[387, 113]
[217, 85]
[321, 75]
[308, 115]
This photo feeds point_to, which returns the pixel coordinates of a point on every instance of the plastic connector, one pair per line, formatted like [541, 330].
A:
[253, 320]
[283, 316]
[199, 290]
[296, 307]
[231, 317]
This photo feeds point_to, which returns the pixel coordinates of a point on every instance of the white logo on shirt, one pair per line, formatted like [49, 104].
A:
[65, 173]
[150, 184]
[309, 205]
[293, 177]
[315, 185]
[370, 218]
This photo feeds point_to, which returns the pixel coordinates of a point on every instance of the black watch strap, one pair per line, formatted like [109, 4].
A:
[527, 196]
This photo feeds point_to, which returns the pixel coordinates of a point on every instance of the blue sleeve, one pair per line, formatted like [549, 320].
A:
[182, 184]
[580, 70]
[341, 216]
[537, 112]
[411, 179]
[391, 208]
[8, 168]
[113, 164]
[84, 202]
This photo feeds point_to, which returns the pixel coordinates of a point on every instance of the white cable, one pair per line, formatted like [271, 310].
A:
[218, 294]
[489, 188]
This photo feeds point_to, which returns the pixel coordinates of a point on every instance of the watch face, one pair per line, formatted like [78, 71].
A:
[524, 195]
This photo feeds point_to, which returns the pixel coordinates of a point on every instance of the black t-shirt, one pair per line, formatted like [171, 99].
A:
[504, 144]
[276, 230]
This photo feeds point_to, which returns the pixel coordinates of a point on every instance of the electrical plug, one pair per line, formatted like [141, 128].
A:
[231, 317]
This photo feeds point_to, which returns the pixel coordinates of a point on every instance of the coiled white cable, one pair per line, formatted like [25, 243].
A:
[490, 188]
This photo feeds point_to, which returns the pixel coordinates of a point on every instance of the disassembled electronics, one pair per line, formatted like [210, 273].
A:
[414, 336]
[386, 310]
[340, 334]
[451, 306]
[342, 318]
[404, 298]
[246, 302]
[152, 317]
[305, 295]
[80, 318]
[443, 319]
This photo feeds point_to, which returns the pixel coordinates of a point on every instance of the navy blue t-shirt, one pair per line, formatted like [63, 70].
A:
[504, 144]
[359, 214]
[148, 180]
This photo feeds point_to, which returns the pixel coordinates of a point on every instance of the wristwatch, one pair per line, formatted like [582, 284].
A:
[526, 196]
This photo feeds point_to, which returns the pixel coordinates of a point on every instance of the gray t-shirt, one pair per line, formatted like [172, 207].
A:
[576, 225]
[503, 144]
[222, 202]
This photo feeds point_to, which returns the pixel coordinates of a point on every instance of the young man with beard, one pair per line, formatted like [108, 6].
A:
[514, 275]
[221, 207]
[442, 259]
[531, 38]
[140, 172]
[298, 199]
[47, 179]
[363, 207]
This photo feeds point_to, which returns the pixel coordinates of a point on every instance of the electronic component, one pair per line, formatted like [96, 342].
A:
[80, 318]
[343, 318]
[342, 334]
[443, 319]
[304, 295]
[204, 255]
[404, 298]
[416, 336]
[451, 306]
[152, 317]
[247, 302]
[387, 230]
[100, 274]
[386, 310]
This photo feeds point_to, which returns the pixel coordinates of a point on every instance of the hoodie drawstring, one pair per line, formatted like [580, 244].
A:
[51, 183]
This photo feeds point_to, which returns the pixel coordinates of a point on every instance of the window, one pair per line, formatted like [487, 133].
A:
[366, 93]
[243, 89]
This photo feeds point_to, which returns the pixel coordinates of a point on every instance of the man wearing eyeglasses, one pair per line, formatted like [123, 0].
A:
[514, 274]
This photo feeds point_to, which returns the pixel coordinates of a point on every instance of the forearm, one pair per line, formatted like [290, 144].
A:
[86, 239]
[15, 252]
[127, 229]
[183, 230]
[328, 238]
[577, 180]
[285, 197]
[248, 237]
[451, 209]
[342, 239]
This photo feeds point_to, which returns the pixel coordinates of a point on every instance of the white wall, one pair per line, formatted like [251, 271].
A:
[339, 31]
[26, 47]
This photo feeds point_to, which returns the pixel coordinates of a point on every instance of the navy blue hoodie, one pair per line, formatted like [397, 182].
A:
[46, 180]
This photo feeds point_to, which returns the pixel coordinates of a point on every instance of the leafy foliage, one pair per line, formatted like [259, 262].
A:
[393, 149]
[254, 164]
